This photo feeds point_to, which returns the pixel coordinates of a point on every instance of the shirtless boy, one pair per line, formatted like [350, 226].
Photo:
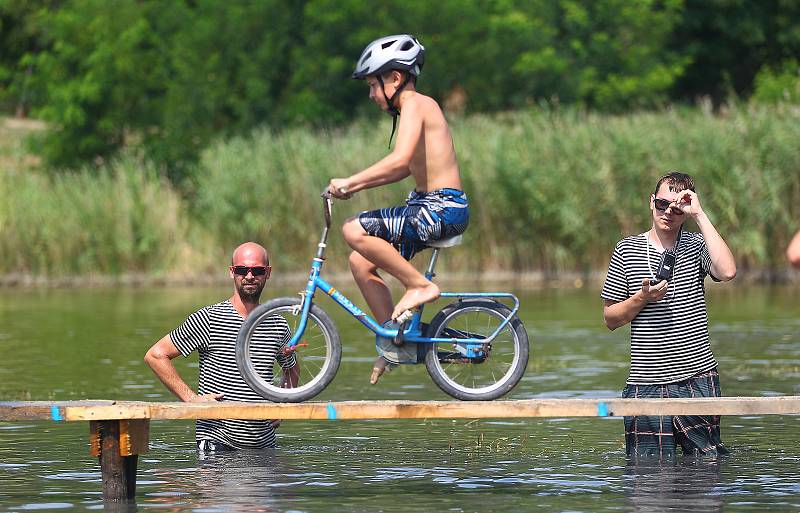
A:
[437, 207]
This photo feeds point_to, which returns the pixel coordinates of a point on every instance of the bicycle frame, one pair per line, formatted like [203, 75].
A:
[413, 333]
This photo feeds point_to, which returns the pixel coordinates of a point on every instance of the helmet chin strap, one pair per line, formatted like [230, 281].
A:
[392, 110]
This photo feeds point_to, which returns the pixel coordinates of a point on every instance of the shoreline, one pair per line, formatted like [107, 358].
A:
[521, 280]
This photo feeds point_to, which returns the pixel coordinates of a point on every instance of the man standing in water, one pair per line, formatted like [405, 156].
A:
[437, 207]
[670, 351]
[212, 332]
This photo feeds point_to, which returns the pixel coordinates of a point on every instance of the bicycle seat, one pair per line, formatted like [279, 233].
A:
[446, 243]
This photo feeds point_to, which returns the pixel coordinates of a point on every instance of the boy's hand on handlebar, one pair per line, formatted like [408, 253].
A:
[338, 189]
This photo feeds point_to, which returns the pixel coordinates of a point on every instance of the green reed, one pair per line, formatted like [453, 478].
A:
[123, 219]
[549, 191]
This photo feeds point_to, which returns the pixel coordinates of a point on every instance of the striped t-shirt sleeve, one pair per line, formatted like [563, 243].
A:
[705, 262]
[193, 334]
[615, 288]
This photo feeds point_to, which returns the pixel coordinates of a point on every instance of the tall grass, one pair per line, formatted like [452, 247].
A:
[549, 191]
[124, 219]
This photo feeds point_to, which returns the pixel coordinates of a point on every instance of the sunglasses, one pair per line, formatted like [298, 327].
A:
[242, 270]
[662, 205]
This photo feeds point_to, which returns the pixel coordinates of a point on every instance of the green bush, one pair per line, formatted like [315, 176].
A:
[781, 85]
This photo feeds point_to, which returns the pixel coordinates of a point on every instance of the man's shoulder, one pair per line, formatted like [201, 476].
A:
[223, 308]
[693, 238]
[631, 241]
[692, 245]
[200, 323]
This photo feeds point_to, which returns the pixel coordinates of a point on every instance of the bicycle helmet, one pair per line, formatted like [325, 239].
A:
[400, 52]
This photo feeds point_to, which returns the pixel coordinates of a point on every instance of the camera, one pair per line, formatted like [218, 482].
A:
[664, 268]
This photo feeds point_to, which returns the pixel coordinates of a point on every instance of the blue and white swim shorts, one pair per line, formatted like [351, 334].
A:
[426, 217]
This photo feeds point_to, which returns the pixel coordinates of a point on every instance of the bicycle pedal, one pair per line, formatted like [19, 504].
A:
[398, 340]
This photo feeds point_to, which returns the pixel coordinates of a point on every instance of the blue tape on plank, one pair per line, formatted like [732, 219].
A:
[602, 409]
[331, 412]
[55, 413]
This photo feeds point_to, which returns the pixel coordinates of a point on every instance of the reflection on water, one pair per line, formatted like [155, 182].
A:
[89, 344]
[687, 484]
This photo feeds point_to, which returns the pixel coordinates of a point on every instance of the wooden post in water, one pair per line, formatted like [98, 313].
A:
[118, 444]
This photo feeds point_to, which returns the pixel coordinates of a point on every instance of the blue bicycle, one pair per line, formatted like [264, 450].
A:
[475, 348]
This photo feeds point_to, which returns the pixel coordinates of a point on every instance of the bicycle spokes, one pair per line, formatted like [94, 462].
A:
[316, 355]
[475, 370]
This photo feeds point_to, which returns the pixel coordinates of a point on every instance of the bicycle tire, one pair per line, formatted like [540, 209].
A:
[506, 356]
[318, 362]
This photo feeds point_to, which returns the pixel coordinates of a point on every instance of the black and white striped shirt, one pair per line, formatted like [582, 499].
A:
[669, 338]
[212, 332]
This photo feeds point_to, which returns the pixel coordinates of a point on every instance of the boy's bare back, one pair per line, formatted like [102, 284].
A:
[433, 161]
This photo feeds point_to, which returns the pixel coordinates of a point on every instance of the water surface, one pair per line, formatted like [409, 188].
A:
[88, 344]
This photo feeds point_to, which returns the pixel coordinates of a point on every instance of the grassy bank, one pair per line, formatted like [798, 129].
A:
[549, 192]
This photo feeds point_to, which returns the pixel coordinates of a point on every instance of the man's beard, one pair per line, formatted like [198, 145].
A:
[245, 294]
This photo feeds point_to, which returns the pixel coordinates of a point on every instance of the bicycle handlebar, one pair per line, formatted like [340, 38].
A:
[327, 207]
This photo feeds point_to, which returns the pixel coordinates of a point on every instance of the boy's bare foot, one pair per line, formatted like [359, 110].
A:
[415, 297]
[378, 368]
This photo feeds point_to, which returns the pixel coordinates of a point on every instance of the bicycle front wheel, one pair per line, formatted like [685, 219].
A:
[493, 368]
[317, 354]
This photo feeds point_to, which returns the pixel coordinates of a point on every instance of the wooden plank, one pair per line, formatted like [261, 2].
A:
[42, 410]
[479, 409]
[116, 410]
[352, 410]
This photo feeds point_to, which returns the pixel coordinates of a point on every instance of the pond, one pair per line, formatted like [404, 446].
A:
[69, 344]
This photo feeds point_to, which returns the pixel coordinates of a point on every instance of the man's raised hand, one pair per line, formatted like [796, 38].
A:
[689, 202]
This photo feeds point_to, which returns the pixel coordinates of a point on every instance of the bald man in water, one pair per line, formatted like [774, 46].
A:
[212, 332]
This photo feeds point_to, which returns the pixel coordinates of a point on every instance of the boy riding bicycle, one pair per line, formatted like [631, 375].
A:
[437, 207]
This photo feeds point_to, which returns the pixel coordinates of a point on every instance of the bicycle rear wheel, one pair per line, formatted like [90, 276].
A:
[318, 352]
[499, 364]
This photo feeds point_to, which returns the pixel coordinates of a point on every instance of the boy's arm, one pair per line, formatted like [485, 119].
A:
[393, 167]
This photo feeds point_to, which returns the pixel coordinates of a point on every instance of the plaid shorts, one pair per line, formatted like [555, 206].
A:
[660, 436]
[426, 217]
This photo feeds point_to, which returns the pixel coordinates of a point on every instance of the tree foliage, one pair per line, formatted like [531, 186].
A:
[168, 76]
[728, 42]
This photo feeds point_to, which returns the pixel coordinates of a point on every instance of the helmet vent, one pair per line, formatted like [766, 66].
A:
[398, 52]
